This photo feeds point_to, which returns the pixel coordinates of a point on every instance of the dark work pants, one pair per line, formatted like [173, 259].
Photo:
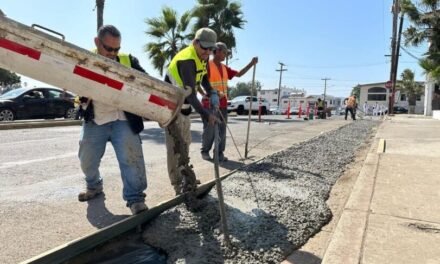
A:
[353, 116]
[208, 133]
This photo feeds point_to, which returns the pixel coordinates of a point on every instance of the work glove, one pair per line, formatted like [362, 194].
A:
[214, 99]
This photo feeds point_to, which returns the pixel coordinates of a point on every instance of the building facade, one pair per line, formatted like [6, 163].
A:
[296, 98]
[373, 93]
[272, 96]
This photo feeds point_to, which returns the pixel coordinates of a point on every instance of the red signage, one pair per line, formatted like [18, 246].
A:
[389, 84]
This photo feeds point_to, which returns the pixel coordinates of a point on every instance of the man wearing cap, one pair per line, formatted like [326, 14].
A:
[219, 74]
[187, 70]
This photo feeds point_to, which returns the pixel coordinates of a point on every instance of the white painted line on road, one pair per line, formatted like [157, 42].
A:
[24, 162]
[30, 141]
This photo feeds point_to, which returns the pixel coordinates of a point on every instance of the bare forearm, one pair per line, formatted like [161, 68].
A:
[246, 69]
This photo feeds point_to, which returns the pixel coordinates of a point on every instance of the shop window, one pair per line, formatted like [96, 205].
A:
[377, 97]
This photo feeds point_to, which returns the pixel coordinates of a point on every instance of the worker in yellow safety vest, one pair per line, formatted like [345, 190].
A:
[103, 123]
[187, 70]
[219, 74]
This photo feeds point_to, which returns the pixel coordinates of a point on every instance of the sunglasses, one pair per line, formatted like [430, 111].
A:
[205, 48]
[110, 49]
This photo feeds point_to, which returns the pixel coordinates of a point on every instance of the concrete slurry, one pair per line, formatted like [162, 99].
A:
[273, 206]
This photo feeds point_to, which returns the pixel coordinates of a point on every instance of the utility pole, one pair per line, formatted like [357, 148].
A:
[395, 46]
[325, 86]
[279, 85]
[100, 12]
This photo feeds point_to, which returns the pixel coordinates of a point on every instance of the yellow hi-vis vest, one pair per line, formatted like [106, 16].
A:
[124, 59]
[218, 81]
[188, 53]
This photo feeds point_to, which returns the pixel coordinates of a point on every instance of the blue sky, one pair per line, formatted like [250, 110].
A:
[343, 40]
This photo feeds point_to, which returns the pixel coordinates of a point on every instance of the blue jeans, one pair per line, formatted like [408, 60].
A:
[128, 149]
[208, 133]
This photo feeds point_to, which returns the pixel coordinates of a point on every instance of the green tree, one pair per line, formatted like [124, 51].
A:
[169, 32]
[8, 78]
[243, 88]
[356, 91]
[425, 27]
[411, 88]
[221, 16]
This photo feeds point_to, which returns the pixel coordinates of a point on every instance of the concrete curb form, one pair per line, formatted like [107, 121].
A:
[37, 124]
[382, 146]
[54, 123]
[348, 237]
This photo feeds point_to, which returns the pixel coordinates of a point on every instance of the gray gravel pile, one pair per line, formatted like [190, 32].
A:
[273, 206]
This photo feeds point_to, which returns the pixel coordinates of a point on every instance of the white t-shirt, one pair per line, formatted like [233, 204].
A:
[105, 113]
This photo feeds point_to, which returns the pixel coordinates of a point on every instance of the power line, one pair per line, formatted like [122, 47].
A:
[409, 53]
[339, 66]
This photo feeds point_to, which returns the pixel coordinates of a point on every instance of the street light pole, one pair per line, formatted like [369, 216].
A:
[279, 85]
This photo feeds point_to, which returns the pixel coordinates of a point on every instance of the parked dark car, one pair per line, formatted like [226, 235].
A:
[398, 110]
[36, 103]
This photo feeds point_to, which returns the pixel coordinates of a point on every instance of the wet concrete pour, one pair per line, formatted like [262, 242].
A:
[273, 206]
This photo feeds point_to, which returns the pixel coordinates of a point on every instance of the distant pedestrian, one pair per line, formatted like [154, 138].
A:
[375, 109]
[366, 108]
[350, 106]
[382, 110]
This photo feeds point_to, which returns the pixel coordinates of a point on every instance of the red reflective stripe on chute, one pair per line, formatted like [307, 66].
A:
[98, 77]
[162, 102]
[13, 46]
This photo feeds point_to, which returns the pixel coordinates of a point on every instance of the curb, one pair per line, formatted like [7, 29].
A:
[347, 240]
[54, 123]
[38, 124]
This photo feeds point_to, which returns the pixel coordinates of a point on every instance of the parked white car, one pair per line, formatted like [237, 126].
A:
[275, 110]
[240, 104]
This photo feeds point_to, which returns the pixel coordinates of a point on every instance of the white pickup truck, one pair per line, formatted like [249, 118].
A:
[240, 104]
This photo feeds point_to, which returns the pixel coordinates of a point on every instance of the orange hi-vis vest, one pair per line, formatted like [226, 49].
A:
[218, 82]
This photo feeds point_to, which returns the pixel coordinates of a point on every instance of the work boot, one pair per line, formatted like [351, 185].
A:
[89, 194]
[205, 156]
[177, 189]
[222, 158]
[136, 208]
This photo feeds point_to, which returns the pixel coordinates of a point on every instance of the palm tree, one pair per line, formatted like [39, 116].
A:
[221, 16]
[99, 12]
[169, 32]
[411, 88]
[425, 27]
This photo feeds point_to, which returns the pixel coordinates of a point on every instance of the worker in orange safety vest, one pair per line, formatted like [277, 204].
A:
[219, 74]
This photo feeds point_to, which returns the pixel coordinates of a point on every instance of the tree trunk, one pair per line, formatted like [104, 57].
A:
[100, 13]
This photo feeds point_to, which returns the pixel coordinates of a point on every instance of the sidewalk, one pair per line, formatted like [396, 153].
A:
[393, 212]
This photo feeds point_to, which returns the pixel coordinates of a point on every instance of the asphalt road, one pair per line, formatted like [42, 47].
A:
[41, 178]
